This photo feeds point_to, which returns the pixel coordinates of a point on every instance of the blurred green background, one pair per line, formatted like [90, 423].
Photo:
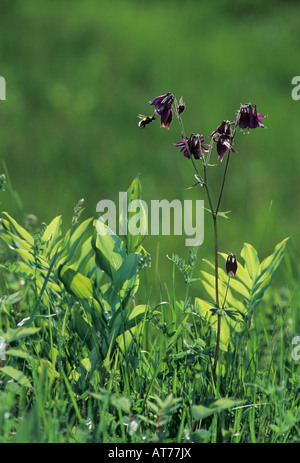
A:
[78, 73]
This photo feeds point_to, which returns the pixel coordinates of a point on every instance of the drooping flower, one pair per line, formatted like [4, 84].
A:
[231, 264]
[163, 108]
[222, 136]
[248, 117]
[192, 146]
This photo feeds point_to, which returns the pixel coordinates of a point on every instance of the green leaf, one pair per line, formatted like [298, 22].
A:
[18, 353]
[126, 279]
[208, 281]
[109, 249]
[242, 283]
[249, 254]
[13, 226]
[15, 242]
[224, 215]
[125, 282]
[14, 334]
[134, 198]
[73, 240]
[267, 271]
[82, 257]
[53, 231]
[75, 283]
[16, 375]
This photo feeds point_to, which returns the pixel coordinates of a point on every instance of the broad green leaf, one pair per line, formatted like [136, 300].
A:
[76, 283]
[53, 231]
[243, 275]
[73, 239]
[109, 249]
[249, 254]
[16, 375]
[208, 281]
[241, 283]
[238, 286]
[83, 253]
[205, 308]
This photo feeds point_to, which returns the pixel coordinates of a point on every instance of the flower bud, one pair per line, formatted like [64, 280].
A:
[231, 264]
[181, 106]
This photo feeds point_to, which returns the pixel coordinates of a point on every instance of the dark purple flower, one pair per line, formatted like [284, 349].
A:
[163, 108]
[192, 146]
[249, 118]
[222, 135]
[231, 264]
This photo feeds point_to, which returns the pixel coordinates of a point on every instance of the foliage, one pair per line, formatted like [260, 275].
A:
[81, 362]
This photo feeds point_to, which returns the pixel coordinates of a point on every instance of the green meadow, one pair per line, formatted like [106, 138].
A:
[96, 344]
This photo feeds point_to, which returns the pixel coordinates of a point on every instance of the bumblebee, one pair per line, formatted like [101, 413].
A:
[145, 120]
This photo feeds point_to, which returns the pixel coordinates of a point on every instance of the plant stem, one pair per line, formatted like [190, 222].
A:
[217, 297]
[215, 215]
[223, 182]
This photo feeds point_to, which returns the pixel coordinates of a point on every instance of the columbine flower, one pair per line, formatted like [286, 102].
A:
[163, 108]
[231, 264]
[222, 135]
[249, 118]
[192, 146]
